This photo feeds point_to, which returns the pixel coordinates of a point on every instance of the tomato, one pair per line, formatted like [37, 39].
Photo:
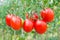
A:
[35, 16]
[16, 23]
[28, 25]
[8, 19]
[47, 15]
[40, 27]
[27, 15]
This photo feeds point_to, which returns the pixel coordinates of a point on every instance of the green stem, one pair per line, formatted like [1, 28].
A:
[46, 38]
[22, 33]
[2, 34]
[34, 36]
[14, 35]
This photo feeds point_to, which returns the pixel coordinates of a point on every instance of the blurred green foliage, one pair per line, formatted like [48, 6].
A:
[20, 7]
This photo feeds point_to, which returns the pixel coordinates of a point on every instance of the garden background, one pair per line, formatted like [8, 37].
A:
[20, 7]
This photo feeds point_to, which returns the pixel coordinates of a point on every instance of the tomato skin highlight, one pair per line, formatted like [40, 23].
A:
[16, 23]
[47, 15]
[8, 19]
[40, 27]
[28, 25]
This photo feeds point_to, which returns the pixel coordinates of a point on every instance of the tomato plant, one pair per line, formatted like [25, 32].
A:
[24, 8]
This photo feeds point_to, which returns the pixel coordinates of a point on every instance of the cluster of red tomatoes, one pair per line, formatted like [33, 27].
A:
[31, 21]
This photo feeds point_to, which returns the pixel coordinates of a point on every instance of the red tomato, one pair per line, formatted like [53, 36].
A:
[35, 16]
[40, 27]
[8, 19]
[27, 15]
[28, 25]
[16, 23]
[47, 15]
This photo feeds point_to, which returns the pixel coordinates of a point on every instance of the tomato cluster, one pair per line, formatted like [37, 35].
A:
[13, 21]
[31, 21]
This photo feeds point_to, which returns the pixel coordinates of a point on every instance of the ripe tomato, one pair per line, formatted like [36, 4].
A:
[40, 27]
[8, 19]
[28, 25]
[16, 23]
[47, 15]
[27, 15]
[35, 16]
